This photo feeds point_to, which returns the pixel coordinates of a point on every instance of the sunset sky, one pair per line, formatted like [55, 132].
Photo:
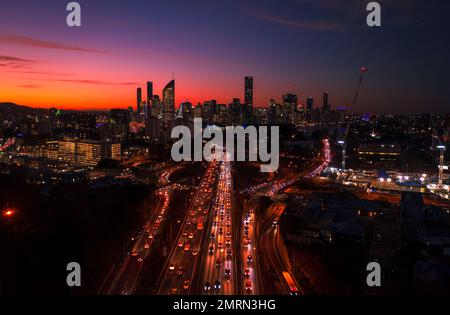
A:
[302, 46]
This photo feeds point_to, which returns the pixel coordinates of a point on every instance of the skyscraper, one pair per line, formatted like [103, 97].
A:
[289, 107]
[139, 99]
[149, 92]
[310, 103]
[309, 108]
[156, 108]
[290, 101]
[248, 98]
[169, 101]
[272, 112]
[325, 106]
[325, 114]
[235, 112]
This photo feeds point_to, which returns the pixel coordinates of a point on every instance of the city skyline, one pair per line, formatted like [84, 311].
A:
[302, 47]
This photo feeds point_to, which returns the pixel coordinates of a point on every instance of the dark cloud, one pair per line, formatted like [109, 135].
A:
[96, 82]
[31, 86]
[40, 72]
[12, 62]
[323, 25]
[29, 41]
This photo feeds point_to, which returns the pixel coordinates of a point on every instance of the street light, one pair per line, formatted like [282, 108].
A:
[8, 213]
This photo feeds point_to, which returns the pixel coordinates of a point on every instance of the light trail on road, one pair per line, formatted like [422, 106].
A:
[219, 265]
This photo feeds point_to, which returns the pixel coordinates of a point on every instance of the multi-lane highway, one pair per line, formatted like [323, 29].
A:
[122, 278]
[218, 259]
[250, 275]
[269, 240]
[275, 253]
[182, 262]
[217, 249]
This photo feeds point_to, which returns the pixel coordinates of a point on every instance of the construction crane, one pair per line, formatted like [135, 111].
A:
[360, 82]
[343, 141]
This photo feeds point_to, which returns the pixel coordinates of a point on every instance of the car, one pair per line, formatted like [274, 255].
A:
[221, 230]
[186, 284]
[228, 235]
[227, 274]
[180, 243]
[180, 271]
[247, 273]
[194, 252]
[191, 235]
[220, 246]
[207, 286]
[228, 253]
[171, 267]
[213, 236]
[174, 291]
[150, 236]
[211, 250]
[218, 264]
[248, 286]
[187, 247]
[147, 246]
[228, 243]
[140, 259]
[188, 222]
[217, 284]
[134, 253]
[185, 233]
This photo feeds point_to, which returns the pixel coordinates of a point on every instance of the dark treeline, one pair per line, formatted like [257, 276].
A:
[55, 225]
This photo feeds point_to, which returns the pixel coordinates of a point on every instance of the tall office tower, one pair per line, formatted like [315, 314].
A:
[156, 108]
[213, 107]
[248, 98]
[209, 110]
[309, 108]
[290, 104]
[272, 112]
[152, 127]
[185, 110]
[139, 100]
[169, 101]
[310, 103]
[325, 106]
[149, 93]
[290, 101]
[235, 112]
